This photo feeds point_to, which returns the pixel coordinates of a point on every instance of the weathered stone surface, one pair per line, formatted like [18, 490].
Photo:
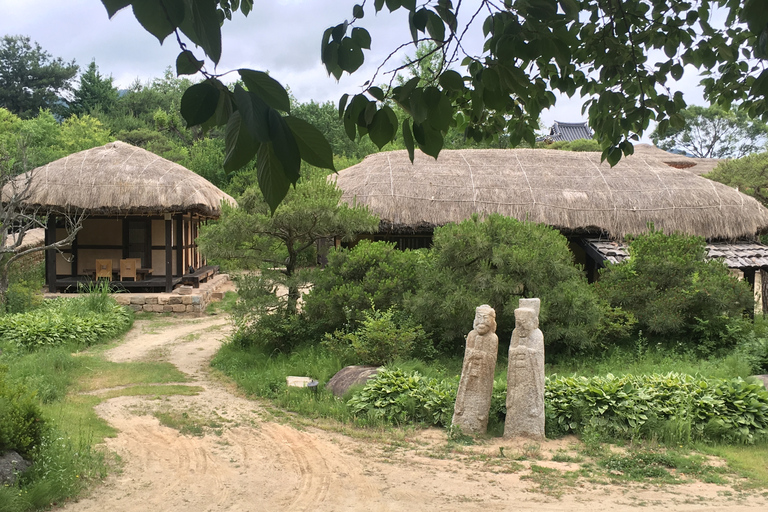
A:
[348, 377]
[179, 308]
[151, 300]
[184, 290]
[174, 300]
[137, 299]
[525, 376]
[473, 398]
[186, 299]
[11, 465]
[167, 308]
[217, 295]
[137, 307]
[195, 299]
[122, 299]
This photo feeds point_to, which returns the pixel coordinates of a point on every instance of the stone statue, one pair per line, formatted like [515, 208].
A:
[525, 375]
[473, 399]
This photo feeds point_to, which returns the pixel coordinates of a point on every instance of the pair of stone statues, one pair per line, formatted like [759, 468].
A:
[525, 374]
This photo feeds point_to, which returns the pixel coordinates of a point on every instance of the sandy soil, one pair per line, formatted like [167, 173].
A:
[255, 463]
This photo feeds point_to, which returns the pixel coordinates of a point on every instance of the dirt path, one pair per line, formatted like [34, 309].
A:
[253, 463]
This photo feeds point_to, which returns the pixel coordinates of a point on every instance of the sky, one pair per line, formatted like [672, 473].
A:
[279, 36]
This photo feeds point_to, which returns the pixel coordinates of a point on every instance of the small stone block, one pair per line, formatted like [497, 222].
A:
[184, 290]
[179, 308]
[122, 299]
[151, 300]
[174, 300]
[137, 307]
[167, 308]
[195, 299]
[186, 300]
[298, 382]
[137, 299]
[217, 295]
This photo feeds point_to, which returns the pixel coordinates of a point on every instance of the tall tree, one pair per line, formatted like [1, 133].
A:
[600, 49]
[713, 132]
[95, 92]
[31, 79]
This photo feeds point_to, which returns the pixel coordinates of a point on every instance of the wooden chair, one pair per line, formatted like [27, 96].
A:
[128, 268]
[104, 269]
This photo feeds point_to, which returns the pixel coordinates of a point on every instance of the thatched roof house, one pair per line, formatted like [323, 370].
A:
[121, 179]
[138, 206]
[572, 191]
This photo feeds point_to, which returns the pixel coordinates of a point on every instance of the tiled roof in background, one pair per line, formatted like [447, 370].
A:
[569, 131]
[736, 254]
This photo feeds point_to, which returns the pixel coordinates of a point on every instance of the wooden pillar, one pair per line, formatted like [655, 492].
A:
[180, 268]
[50, 254]
[168, 254]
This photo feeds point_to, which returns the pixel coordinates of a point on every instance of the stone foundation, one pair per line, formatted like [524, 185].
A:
[180, 300]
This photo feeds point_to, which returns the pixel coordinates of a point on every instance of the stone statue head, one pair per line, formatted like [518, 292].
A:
[485, 320]
[526, 321]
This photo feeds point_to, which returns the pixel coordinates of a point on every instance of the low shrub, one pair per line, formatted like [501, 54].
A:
[65, 321]
[674, 407]
[21, 423]
[397, 397]
[383, 336]
[371, 273]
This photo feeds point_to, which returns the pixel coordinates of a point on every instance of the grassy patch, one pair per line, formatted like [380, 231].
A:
[190, 423]
[94, 373]
[748, 461]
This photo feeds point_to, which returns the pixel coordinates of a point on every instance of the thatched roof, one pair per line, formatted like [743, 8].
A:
[120, 179]
[698, 166]
[571, 191]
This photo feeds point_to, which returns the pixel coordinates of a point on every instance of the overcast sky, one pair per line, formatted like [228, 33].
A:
[281, 36]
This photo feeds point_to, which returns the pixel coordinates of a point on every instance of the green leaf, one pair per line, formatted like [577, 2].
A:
[113, 6]
[350, 55]
[361, 37]
[272, 180]
[439, 108]
[207, 28]
[187, 64]
[267, 88]
[760, 85]
[358, 12]
[254, 113]
[240, 148]
[382, 129]
[153, 18]
[199, 102]
[430, 141]
[376, 92]
[313, 146]
[452, 81]
[343, 104]
[435, 27]
[223, 112]
[284, 146]
[408, 138]
[755, 14]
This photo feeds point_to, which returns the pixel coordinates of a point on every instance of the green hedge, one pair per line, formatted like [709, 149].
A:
[673, 407]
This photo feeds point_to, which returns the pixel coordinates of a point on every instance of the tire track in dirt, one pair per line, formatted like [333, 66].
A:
[249, 464]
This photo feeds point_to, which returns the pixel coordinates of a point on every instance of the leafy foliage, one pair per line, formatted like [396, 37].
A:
[383, 336]
[369, 274]
[30, 79]
[532, 49]
[253, 236]
[498, 261]
[95, 92]
[675, 293]
[714, 132]
[748, 174]
[21, 424]
[396, 397]
[65, 322]
[683, 407]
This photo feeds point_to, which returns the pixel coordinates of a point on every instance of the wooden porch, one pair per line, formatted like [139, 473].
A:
[74, 284]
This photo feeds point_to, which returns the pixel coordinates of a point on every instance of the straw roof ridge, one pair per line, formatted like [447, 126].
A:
[121, 179]
[572, 191]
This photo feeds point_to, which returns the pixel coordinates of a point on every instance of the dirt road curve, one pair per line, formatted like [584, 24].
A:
[253, 463]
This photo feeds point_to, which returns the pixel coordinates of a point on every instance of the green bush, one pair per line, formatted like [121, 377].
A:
[21, 424]
[675, 407]
[676, 294]
[354, 279]
[65, 321]
[497, 261]
[274, 332]
[396, 397]
[382, 337]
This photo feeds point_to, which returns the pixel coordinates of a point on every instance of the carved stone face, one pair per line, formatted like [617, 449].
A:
[484, 320]
[525, 321]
